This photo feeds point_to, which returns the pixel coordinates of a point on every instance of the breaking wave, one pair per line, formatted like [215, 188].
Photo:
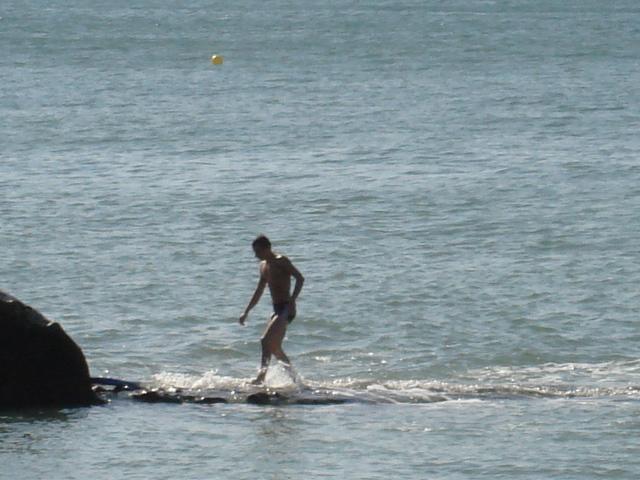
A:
[551, 381]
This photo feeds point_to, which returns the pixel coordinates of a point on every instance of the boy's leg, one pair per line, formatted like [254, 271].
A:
[275, 335]
[272, 344]
[266, 352]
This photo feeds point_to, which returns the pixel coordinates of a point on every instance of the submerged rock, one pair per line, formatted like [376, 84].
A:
[40, 365]
[157, 395]
[266, 398]
[117, 384]
[270, 397]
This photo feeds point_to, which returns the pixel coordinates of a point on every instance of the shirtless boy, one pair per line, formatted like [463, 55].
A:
[276, 271]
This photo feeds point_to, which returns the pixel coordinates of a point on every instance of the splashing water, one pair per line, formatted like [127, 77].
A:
[283, 376]
[551, 381]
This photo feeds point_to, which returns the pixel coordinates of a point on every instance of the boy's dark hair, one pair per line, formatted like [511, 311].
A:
[261, 242]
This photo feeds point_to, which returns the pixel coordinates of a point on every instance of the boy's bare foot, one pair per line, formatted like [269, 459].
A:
[259, 380]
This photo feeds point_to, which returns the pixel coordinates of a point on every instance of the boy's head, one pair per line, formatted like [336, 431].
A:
[260, 246]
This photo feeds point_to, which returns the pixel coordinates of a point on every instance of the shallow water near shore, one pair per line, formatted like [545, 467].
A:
[457, 181]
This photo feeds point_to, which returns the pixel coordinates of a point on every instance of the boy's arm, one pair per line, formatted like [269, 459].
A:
[254, 300]
[295, 273]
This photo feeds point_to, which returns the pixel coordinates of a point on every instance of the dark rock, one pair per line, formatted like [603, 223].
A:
[40, 365]
[266, 398]
[270, 397]
[117, 384]
[156, 396]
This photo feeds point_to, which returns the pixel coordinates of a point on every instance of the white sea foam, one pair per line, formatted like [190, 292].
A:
[278, 377]
[561, 381]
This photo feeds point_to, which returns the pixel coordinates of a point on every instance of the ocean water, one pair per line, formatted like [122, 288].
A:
[458, 181]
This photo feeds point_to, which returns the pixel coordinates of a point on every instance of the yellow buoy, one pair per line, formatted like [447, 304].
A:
[217, 59]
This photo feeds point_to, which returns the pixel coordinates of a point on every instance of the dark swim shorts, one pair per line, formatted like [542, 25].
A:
[284, 308]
